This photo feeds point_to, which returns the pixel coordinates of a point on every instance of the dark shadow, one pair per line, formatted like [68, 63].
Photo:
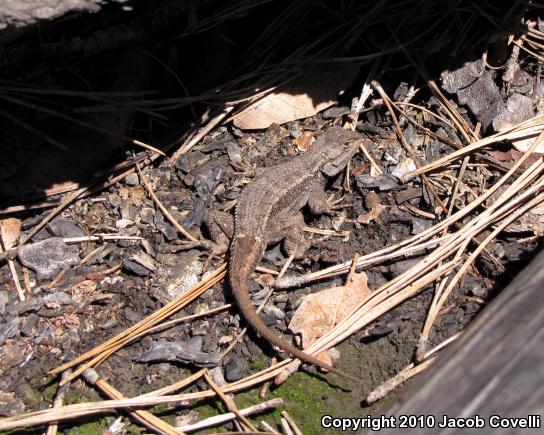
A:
[77, 89]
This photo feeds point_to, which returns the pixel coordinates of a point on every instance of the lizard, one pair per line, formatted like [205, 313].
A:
[268, 211]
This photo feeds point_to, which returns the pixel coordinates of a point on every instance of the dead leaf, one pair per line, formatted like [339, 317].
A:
[320, 312]
[305, 96]
[304, 141]
[10, 230]
[521, 144]
[372, 202]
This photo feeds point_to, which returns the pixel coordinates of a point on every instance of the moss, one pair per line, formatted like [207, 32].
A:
[258, 364]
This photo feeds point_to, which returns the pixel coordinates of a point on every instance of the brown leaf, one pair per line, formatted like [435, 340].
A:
[10, 230]
[304, 141]
[303, 97]
[319, 312]
[372, 201]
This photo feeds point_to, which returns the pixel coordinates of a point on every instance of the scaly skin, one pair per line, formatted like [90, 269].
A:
[265, 211]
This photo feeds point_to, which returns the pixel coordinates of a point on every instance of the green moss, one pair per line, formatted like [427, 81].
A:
[258, 364]
[91, 428]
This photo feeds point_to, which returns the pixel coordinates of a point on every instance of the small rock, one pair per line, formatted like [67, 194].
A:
[48, 257]
[383, 182]
[399, 267]
[419, 225]
[217, 376]
[114, 199]
[11, 355]
[131, 315]
[145, 260]
[132, 179]
[518, 108]
[207, 178]
[27, 328]
[403, 168]
[475, 88]
[272, 310]
[31, 304]
[168, 230]
[4, 299]
[179, 352]
[10, 329]
[123, 223]
[48, 331]
[108, 324]
[136, 268]
[234, 152]
[61, 298]
[64, 228]
[187, 417]
[146, 215]
[176, 274]
[10, 406]
[335, 112]
[235, 369]
[477, 290]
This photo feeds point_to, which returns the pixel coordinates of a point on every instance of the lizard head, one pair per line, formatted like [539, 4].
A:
[340, 150]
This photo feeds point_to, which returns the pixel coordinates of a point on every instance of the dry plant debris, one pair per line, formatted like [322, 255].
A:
[103, 239]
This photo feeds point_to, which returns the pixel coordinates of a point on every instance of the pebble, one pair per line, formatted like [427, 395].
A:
[115, 200]
[399, 267]
[181, 351]
[62, 298]
[234, 152]
[123, 223]
[135, 267]
[274, 311]
[10, 329]
[382, 182]
[31, 304]
[146, 215]
[132, 179]
[419, 225]
[235, 369]
[108, 324]
[4, 299]
[187, 417]
[10, 406]
[168, 230]
[48, 257]
[64, 227]
[335, 112]
[176, 274]
[145, 260]
[403, 168]
[27, 327]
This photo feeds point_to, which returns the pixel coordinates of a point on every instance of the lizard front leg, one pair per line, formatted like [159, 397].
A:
[220, 226]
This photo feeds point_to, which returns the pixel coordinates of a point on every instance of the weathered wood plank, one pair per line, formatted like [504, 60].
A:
[496, 368]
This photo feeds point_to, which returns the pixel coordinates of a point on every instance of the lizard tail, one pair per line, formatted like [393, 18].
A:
[240, 271]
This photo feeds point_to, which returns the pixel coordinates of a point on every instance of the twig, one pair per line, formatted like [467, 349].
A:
[201, 133]
[144, 417]
[409, 371]
[58, 402]
[229, 403]
[99, 353]
[217, 420]
[291, 423]
[392, 383]
[164, 210]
